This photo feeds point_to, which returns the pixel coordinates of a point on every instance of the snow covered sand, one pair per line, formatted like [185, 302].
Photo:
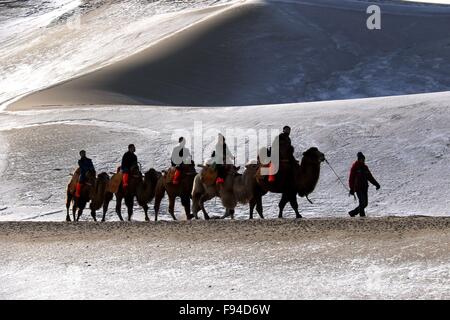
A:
[384, 258]
[269, 52]
[228, 60]
[45, 42]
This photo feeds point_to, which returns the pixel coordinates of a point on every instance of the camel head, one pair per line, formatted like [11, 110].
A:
[135, 172]
[308, 175]
[231, 171]
[152, 175]
[102, 179]
[252, 164]
[90, 177]
[103, 176]
[251, 168]
[313, 155]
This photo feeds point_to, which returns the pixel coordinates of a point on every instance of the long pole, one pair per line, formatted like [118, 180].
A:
[339, 178]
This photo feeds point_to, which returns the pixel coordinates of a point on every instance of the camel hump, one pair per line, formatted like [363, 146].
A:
[115, 182]
[208, 175]
[260, 179]
[73, 181]
[168, 175]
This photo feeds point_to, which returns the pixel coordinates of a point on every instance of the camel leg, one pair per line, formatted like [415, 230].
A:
[145, 207]
[159, 194]
[81, 206]
[93, 214]
[252, 205]
[284, 200]
[172, 207]
[129, 203]
[205, 214]
[294, 205]
[259, 207]
[203, 199]
[74, 209]
[119, 207]
[227, 213]
[186, 202]
[68, 201]
[196, 207]
[108, 198]
[80, 212]
[105, 209]
[156, 206]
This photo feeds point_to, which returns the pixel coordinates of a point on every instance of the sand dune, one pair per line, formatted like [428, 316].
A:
[275, 52]
[388, 258]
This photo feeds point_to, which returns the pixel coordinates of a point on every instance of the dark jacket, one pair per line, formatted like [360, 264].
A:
[360, 176]
[129, 160]
[85, 165]
[286, 150]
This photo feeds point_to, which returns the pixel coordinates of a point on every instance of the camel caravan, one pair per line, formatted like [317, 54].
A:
[217, 177]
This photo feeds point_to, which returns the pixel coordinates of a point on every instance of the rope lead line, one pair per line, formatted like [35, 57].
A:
[339, 179]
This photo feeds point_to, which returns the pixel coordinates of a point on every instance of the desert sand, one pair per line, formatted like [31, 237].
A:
[270, 52]
[338, 258]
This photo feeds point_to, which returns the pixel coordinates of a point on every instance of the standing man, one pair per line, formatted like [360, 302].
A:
[360, 175]
[85, 164]
[129, 160]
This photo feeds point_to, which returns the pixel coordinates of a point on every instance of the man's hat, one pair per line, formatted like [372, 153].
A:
[360, 156]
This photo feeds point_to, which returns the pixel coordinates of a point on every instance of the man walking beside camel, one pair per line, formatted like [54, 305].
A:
[360, 175]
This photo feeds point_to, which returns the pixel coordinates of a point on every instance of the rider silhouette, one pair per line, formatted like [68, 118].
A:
[129, 160]
[180, 156]
[85, 164]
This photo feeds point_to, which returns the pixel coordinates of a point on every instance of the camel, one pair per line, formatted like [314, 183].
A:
[101, 196]
[204, 188]
[182, 190]
[236, 189]
[292, 179]
[143, 188]
[85, 194]
[145, 191]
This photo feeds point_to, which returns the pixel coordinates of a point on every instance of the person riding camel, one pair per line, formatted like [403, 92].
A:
[221, 157]
[360, 175]
[85, 164]
[129, 160]
[180, 156]
[286, 150]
